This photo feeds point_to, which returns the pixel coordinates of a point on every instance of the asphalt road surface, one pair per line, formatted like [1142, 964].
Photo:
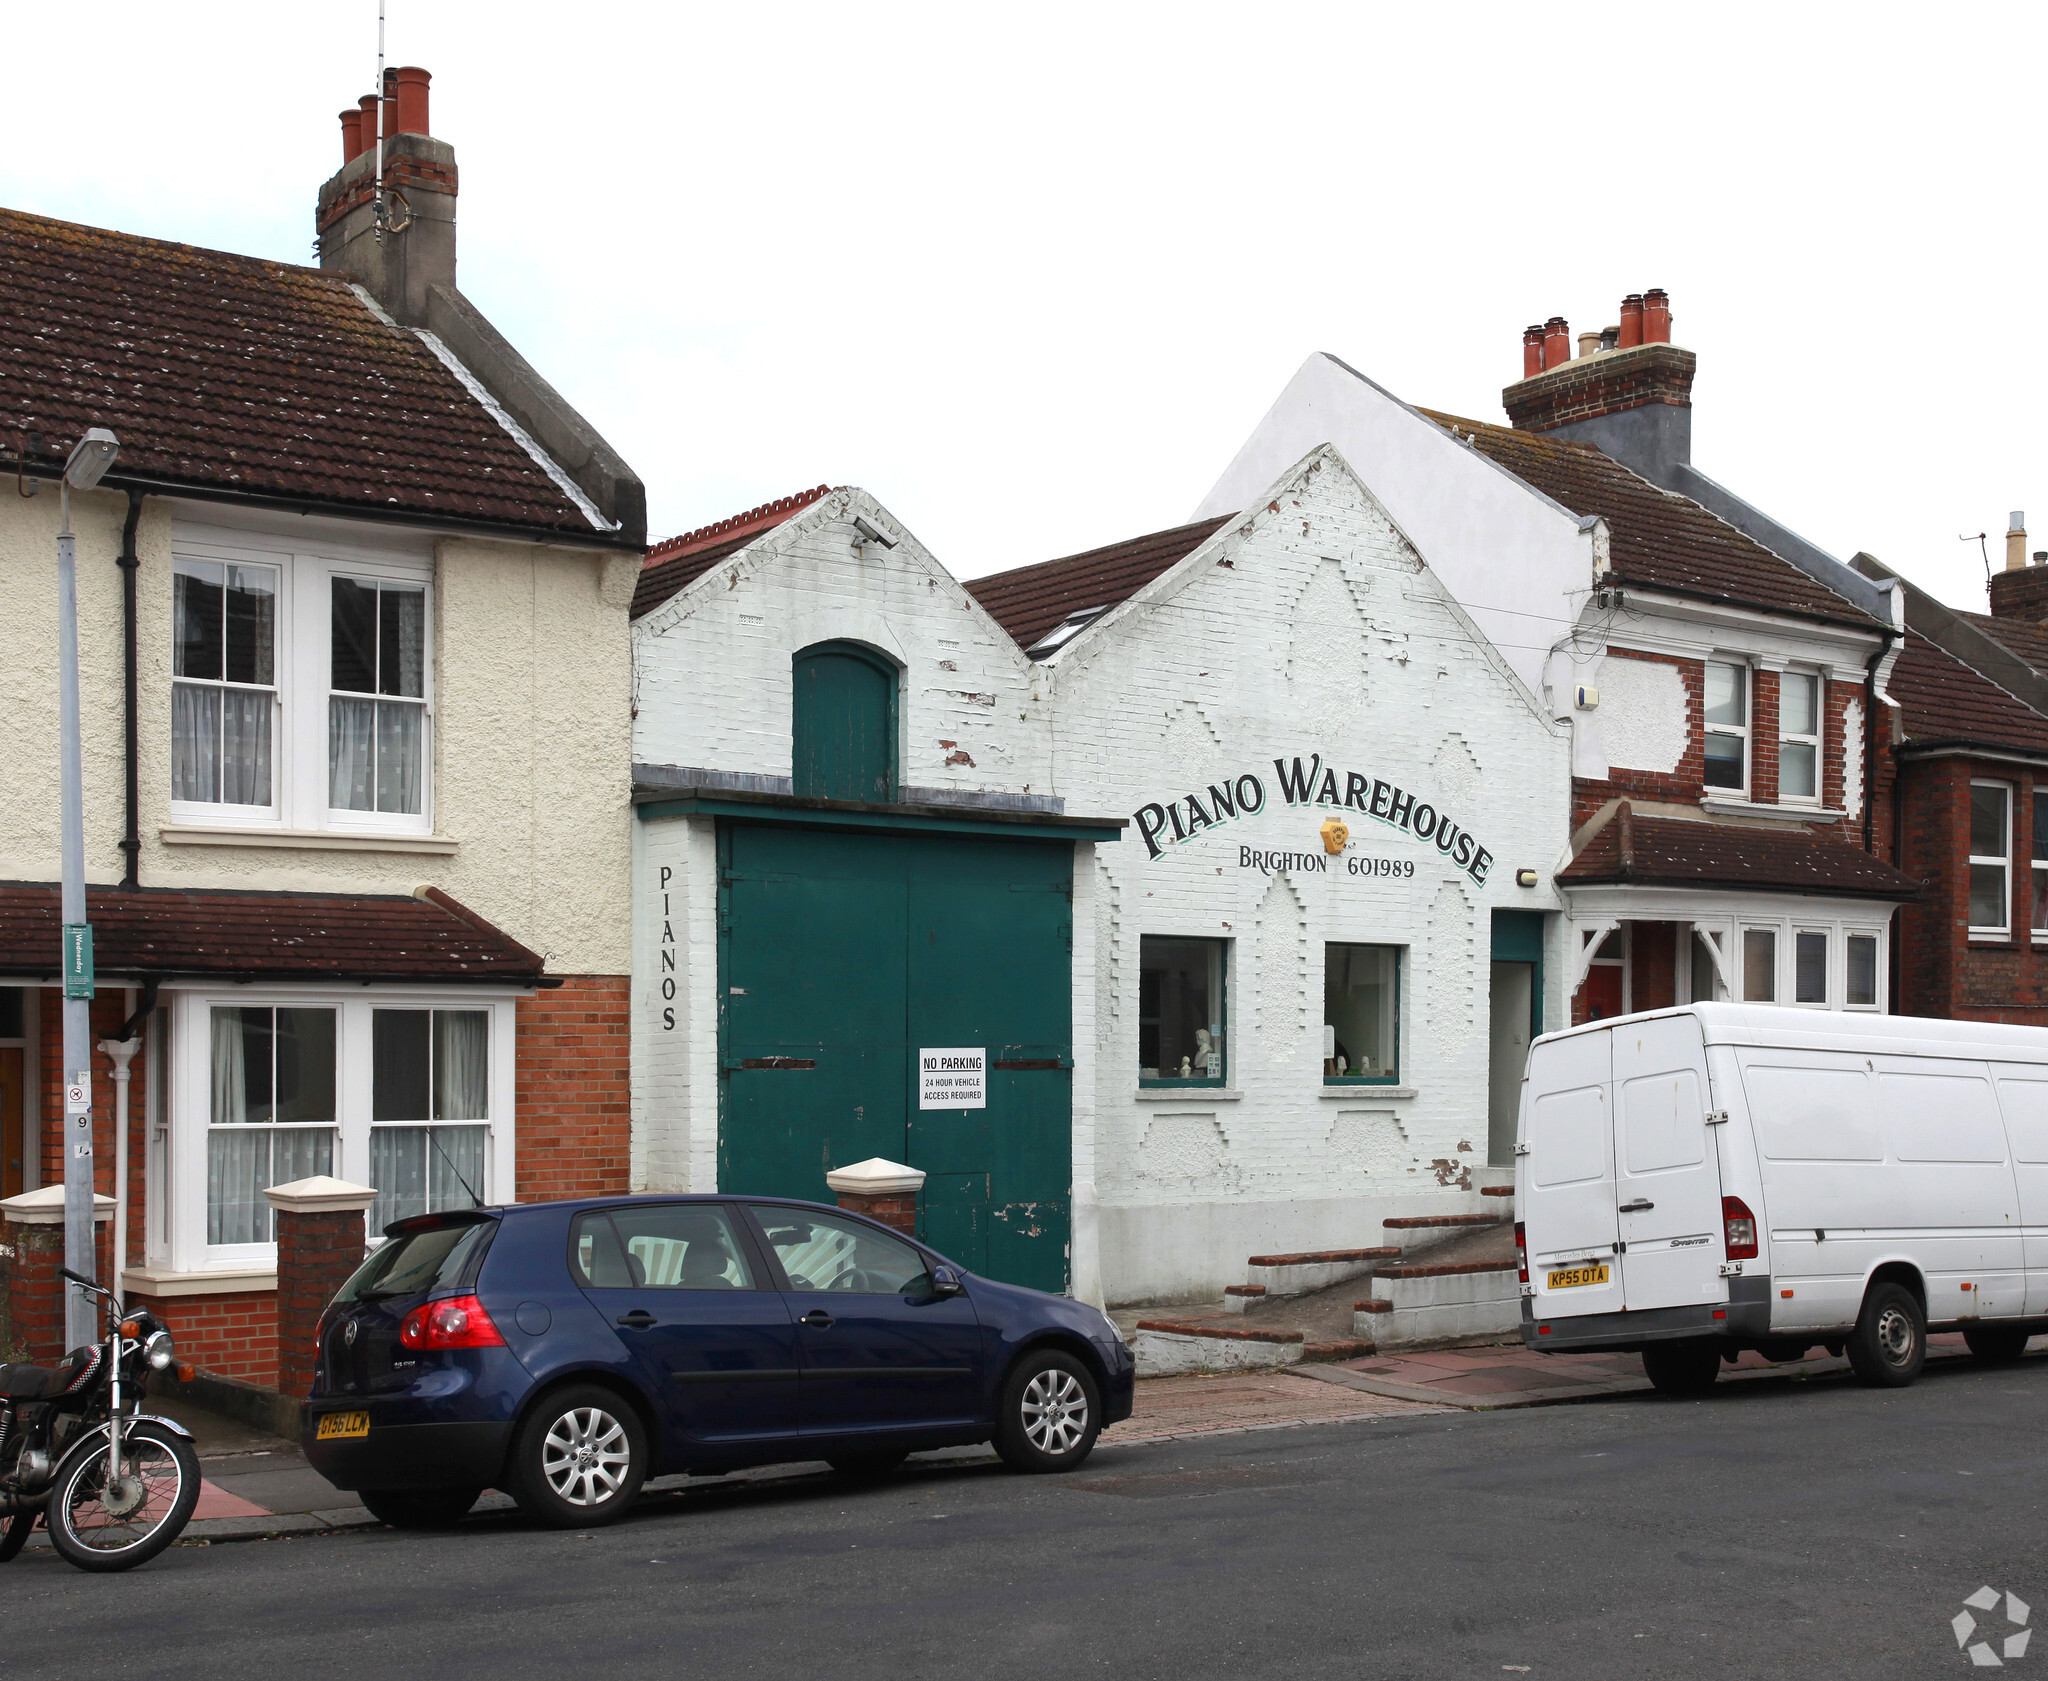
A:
[1773, 1530]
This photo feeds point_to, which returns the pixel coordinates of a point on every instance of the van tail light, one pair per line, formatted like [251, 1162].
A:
[1521, 1252]
[456, 1322]
[1740, 1227]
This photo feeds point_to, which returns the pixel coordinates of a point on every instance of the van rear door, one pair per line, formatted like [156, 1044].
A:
[1564, 1181]
[1667, 1176]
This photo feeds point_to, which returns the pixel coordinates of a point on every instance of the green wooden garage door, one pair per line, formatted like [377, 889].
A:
[841, 956]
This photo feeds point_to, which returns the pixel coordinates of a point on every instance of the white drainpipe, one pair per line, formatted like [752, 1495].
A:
[120, 1050]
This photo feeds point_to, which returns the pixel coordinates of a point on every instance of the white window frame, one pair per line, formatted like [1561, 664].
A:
[1817, 740]
[304, 677]
[1741, 731]
[2001, 930]
[1878, 973]
[1829, 990]
[2037, 868]
[192, 1100]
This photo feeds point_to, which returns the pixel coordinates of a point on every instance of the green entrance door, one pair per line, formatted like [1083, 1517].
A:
[844, 955]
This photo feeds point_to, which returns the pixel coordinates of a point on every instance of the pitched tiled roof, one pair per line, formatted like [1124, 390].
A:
[2029, 641]
[304, 936]
[660, 581]
[225, 372]
[1029, 601]
[1942, 700]
[676, 562]
[1675, 852]
[1657, 539]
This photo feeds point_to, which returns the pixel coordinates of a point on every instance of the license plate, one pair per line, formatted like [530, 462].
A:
[342, 1426]
[1569, 1278]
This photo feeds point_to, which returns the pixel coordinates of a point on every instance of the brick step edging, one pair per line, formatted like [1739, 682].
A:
[1204, 1328]
[1421, 1222]
[1446, 1269]
[1496, 1190]
[1322, 1257]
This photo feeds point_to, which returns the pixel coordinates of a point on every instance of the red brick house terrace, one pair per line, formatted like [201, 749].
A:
[356, 695]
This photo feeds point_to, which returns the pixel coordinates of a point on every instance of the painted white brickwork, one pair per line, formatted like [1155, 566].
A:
[1644, 720]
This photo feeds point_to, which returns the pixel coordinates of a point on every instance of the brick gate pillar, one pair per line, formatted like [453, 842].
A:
[321, 1239]
[882, 1190]
[34, 1230]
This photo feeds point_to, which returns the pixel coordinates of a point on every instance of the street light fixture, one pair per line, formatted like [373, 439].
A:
[87, 464]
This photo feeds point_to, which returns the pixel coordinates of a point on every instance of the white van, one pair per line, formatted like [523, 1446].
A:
[1698, 1181]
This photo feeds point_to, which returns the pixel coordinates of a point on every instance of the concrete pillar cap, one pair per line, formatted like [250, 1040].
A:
[320, 1195]
[875, 1177]
[46, 1207]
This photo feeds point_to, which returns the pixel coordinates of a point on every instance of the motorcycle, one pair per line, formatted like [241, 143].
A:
[112, 1484]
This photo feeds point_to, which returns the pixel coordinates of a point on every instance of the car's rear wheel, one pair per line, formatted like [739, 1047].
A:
[579, 1458]
[876, 1464]
[1686, 1367]
[1050, 1413]
[1889, 1345]
[419, 1508]
[1996, 1344]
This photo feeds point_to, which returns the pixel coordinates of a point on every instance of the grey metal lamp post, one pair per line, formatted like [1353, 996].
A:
[90, 458]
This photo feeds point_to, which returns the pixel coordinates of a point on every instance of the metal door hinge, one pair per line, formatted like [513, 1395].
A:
[1528, 1289]
[1731, 1269]
[1717, 1117]
[1521, 1149]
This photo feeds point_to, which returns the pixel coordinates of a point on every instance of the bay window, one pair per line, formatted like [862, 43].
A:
[407, 1094]
[1799, 737]
[301, 686]
[1727, 719]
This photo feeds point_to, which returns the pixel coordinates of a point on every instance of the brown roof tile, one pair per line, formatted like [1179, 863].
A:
[1943, 700]
[661, 579]
[301, 936]
[1657, 539]
[1030, 600]
[1675, 852]
[226, 372]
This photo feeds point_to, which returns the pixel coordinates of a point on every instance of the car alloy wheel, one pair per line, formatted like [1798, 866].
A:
[586, 1457]
[1055, 1409]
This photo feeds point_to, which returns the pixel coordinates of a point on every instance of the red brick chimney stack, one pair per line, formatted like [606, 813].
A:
[1631, 321]
[413, 252]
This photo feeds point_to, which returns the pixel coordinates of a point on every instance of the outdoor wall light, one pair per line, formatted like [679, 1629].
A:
[868, 534]
[1525, 878]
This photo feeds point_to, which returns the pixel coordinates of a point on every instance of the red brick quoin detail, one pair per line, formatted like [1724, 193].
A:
[575, 1114]
[316, 1251]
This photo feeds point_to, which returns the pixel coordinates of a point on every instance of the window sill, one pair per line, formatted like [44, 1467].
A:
[1351, 1094]
[305, 840]
[163, 1282]
[1749, 808]
[1187, 1093]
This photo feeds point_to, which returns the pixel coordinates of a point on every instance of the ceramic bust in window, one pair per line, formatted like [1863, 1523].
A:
[1184, 1069]
[1205, 1052]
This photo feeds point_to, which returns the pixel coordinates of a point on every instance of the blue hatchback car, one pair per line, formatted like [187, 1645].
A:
[566, 1351]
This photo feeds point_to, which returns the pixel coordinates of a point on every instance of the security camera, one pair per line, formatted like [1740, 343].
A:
[868, 534]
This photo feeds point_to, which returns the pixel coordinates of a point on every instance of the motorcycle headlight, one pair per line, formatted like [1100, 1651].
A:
[159, 1350]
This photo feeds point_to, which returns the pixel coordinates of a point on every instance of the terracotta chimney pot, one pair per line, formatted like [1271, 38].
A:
[1557, 342]
[412, 99]
[1532, 351]
[1656, 316]
[1631, 321]
[369, 120]
[351, 134]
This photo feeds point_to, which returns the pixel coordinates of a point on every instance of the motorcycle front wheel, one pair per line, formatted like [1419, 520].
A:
[99, 1522]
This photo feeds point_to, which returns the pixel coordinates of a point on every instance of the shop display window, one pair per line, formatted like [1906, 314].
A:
[1361, 1015]
[1181, 1011]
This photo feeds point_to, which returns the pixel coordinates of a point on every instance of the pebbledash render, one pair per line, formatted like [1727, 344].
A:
[356, 850]
[1203, 854]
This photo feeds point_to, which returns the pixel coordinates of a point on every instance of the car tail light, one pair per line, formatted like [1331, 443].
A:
[456, 1322]
[1740, 1227]
[1522, 1251]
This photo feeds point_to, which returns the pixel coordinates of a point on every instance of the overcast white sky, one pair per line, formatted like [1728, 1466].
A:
[1031, 274]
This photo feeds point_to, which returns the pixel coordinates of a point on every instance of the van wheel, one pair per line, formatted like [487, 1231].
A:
[1996, 1344]
[1688, 1366]
[1889, 1345]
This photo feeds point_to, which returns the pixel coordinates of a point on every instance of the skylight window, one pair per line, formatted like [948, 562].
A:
[1063, 632]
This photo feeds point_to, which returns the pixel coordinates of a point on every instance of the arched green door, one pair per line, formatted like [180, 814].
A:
[843, 723]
